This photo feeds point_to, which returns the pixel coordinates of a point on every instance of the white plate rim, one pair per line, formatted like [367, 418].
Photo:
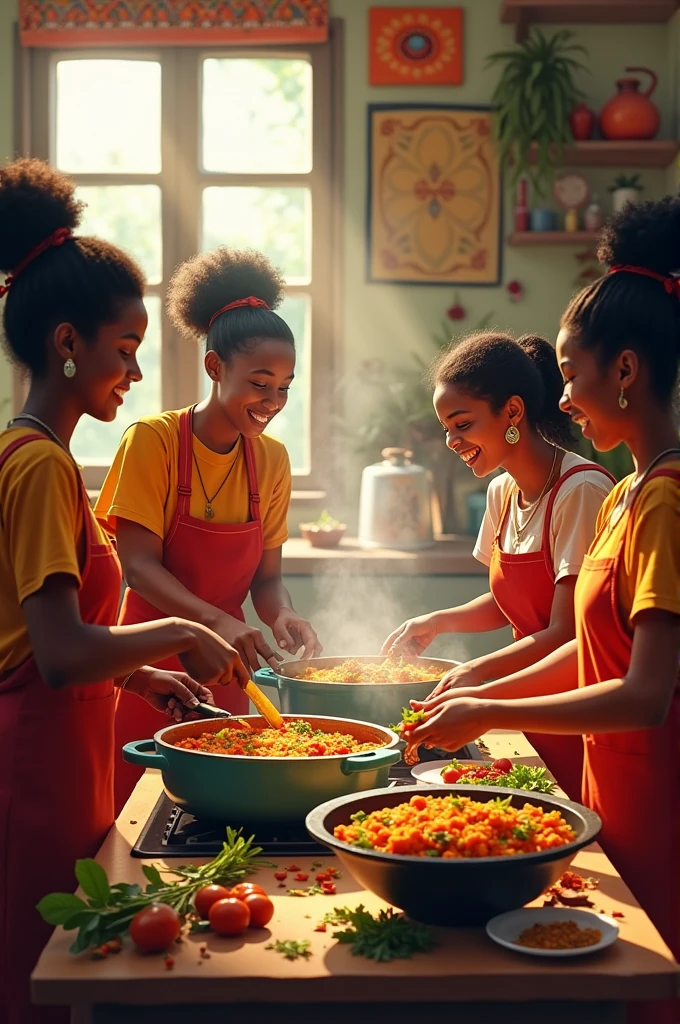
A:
[526, 916]
[425, 767]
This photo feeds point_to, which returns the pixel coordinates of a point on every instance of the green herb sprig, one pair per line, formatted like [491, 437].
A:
[291, 948]
[109, 909]
[388, 936]
[408, 717]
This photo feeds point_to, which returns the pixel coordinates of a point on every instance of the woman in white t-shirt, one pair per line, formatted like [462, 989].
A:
[497, 399]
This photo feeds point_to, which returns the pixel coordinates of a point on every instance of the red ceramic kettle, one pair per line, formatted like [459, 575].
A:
[631, 114]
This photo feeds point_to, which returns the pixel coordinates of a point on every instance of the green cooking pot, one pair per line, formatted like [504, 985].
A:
[236, 789]
[369, 702]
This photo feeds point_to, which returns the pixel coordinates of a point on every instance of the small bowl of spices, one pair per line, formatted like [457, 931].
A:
[553, 931]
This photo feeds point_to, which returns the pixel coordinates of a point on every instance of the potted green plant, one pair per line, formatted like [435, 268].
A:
[626, 188]
[532, 102]
[324, 532]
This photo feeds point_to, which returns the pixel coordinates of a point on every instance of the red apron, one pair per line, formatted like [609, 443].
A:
[216, 562]
[56, 783]
[523, 587]
[631, 779]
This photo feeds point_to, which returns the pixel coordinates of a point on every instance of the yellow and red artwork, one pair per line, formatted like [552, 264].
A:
[435, 200]
[415, 45]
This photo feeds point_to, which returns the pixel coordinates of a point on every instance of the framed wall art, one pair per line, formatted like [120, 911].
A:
[415, 46]
[434, 195]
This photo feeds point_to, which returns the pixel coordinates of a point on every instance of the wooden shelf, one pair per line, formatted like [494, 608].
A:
[659, 153]
[524, 13]
[552, 238]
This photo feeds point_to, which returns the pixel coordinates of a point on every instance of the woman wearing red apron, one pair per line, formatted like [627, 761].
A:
[497, 400]
[618, 350]
[73, 318]
[198, 498]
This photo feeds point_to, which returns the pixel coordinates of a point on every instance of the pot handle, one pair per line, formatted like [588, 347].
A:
[367, 762]
[266, 677]
[143, 752]
[654, 80]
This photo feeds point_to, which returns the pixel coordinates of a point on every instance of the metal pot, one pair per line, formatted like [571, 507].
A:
[369, 702]
[235, 789]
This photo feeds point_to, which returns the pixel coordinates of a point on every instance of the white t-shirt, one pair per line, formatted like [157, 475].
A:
[572, 525]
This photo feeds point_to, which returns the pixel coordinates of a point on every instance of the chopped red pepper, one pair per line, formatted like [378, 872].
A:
[323, 876]
[169, 963]
[328, 888]
[293, 867]
[321, 927]
[617, 913]
[301, 877]
[281, 875]
[333, 872]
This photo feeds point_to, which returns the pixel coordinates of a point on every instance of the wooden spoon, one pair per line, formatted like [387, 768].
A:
[263, 705]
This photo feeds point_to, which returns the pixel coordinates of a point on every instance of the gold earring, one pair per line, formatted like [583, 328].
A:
[623, 401]
[69, 368]
[512, 434]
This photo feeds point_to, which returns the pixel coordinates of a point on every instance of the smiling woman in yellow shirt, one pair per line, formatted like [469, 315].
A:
[198, 498]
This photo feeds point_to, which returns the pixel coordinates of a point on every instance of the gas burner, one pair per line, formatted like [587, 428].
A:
[172, 832]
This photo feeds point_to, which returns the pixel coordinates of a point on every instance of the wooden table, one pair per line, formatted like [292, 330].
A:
[466, 974]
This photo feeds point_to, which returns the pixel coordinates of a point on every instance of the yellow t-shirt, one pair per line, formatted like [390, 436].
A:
[142, 483]
[41, 526]
[649, 573]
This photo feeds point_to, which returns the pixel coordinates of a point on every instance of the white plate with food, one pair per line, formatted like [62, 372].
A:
[553, 931]
[501, 772]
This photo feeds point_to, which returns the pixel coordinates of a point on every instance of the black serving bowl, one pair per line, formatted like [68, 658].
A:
[465, 891]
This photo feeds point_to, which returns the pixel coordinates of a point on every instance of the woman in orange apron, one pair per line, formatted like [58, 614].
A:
[198, 498]
[497, 400]
[73, 318]
[618, 349]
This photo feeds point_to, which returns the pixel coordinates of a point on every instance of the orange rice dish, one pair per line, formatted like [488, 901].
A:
[456, 826]
[393, 670]
[296, 739]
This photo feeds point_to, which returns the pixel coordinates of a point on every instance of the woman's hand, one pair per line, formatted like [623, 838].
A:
[210, 659]
[453, 723]
[412, 637]
[175, 693]
[292, 632]
[462, 675]
[248, 641]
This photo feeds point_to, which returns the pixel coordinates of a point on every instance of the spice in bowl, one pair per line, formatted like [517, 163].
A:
[559, 935]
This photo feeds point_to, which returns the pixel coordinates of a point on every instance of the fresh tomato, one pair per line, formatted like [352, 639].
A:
[261, 909]
[205, 897]
[244, 889]
[229, 917]
[451, 775]
[155, 928]
[502, 765]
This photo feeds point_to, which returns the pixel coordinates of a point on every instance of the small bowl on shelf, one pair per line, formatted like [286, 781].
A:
[324, 533]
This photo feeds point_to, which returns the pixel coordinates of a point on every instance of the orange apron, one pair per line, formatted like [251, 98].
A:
[631, 770]
[56, 783]
[523, 587]
[216, 562]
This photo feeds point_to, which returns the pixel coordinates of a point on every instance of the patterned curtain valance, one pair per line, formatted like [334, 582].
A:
[172, 22]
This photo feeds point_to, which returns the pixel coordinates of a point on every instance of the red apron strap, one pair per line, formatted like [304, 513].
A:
[184, 467]
[545, 540]
[254, 495]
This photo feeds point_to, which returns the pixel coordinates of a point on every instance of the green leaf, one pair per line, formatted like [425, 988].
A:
[93, 880]
[58, 907]
[152, 873]
[87, 936]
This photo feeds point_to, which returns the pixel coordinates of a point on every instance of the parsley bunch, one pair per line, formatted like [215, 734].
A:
[388, 936]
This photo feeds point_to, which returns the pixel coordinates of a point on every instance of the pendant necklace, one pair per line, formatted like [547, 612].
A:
[209, 512]
[626, 501]
[517, 529]
[43, 426]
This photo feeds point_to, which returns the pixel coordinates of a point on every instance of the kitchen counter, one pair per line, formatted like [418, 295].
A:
[448, 556]
[465, 973]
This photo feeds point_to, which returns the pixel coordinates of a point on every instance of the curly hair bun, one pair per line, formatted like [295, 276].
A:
[644, 235]
[35, 200]
[208, 281]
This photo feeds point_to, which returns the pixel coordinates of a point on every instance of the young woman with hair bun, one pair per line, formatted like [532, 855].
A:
[497, 400]
[617, 683]
[198, 498]
[73, 320]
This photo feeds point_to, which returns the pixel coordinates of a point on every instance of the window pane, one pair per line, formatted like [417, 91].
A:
[257, 115]
[128, 216]
[95, 443]
[276, 220]
[292, 425]
[101, 125]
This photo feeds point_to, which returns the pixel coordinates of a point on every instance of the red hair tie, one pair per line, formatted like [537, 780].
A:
[671, 284]
[57, 237]
[251, 300]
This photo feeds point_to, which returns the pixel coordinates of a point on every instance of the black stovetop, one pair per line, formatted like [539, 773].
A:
[172, 832]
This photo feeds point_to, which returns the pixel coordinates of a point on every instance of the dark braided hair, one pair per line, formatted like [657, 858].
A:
[81, 282]
[208, 281]
[494, 366]
[626, 310]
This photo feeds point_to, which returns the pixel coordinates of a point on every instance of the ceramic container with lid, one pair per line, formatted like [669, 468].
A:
[395, 509]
